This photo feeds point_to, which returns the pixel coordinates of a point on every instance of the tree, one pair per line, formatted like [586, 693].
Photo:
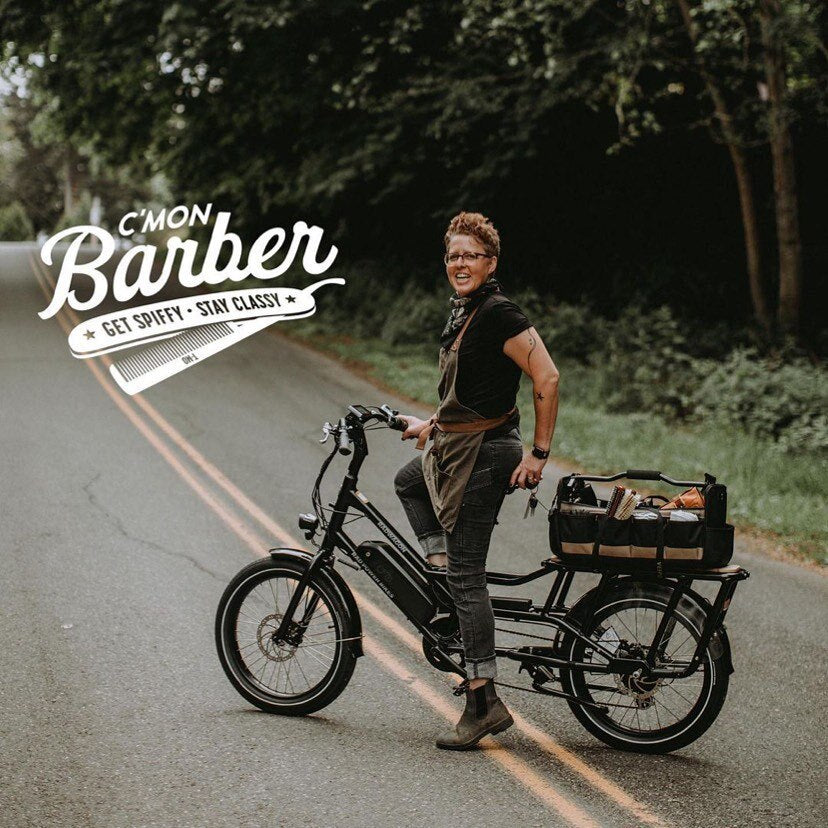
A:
[634, 58]
[744, 183]
[344, 112]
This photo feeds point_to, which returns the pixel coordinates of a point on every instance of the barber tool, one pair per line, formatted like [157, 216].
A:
[170, 356]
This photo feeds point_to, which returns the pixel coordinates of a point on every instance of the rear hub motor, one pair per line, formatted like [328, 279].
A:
[642, 688]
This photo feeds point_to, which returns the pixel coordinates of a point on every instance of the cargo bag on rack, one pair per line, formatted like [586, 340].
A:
[581, 534]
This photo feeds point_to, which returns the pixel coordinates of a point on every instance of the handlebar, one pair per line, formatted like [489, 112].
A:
[396, 424]
[343, 440]
[358, 416]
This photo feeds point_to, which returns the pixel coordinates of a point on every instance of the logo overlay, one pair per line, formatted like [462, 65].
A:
[179, 332]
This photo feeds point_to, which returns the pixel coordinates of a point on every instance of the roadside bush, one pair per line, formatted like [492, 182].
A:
[787, 403]
[645, 362]
[416, 317]
[15, 225]
[360, 307]
[575, 332]
[647, 367]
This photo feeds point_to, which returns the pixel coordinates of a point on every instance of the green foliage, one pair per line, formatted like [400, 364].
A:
[415, 316]
[642, 364]
[647, 367]
[574, 332]
[379, 119]
[784, 402]
[79, 214]
[15, 225]
[30, 171]
[360, 308]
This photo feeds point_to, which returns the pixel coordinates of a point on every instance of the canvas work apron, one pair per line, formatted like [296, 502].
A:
[457, 434]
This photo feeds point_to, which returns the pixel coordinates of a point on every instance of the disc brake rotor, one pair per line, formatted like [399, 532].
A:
[639, 687]
[264, 636]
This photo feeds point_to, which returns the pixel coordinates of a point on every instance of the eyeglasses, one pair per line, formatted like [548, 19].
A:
[465, 258]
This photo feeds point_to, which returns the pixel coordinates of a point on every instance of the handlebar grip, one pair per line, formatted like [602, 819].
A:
[642, 474]
[343, 439]
[397, 424]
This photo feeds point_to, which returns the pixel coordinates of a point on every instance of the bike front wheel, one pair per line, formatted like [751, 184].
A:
[293, 678]
[643, 714]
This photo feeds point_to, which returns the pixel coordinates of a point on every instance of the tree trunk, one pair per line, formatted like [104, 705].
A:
[747, 203]
[750, 229]
[784, 177]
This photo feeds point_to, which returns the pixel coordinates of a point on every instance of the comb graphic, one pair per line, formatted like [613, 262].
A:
[168, 357]
[171, 356]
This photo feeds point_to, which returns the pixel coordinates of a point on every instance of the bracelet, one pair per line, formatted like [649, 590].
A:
[539, 453]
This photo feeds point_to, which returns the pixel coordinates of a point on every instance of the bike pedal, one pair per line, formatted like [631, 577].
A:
[542, 676]
[539, 673]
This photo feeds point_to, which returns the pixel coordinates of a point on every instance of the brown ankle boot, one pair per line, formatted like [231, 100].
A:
[485, 713]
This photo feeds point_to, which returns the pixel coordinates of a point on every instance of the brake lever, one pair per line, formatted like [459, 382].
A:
[326, 432]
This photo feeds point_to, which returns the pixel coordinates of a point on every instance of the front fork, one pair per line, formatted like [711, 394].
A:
[290, 632]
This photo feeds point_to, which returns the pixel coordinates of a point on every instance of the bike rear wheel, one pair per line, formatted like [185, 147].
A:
[646, 715]
[290, 679]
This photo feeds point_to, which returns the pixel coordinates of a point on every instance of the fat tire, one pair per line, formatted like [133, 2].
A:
[334, 681]
[655, 596]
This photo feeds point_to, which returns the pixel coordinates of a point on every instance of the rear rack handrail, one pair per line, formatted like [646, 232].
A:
[642, 474]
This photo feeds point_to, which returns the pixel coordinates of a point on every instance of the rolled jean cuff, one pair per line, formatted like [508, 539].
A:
[481, 669]
[434, 543]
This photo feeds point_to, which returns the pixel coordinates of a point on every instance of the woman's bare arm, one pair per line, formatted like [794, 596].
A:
[529, 353]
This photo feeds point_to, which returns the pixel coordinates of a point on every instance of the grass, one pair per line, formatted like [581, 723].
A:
[782, 496]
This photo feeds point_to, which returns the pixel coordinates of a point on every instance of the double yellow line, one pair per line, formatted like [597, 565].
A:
[154, 427]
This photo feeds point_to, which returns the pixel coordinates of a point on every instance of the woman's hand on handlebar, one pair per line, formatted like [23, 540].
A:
[528, 473]
[415, 426]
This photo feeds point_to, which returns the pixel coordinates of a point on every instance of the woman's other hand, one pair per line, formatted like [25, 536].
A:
[415, 426]
[528, 471]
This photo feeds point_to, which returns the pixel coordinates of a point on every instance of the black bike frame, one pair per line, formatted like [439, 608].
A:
[550, 614]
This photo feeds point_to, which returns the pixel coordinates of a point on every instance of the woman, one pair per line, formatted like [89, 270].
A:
[473, 451]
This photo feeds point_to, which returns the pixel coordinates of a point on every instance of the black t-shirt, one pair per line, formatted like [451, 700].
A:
[487, 380]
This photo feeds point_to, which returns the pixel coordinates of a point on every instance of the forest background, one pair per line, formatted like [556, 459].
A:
[656, 170]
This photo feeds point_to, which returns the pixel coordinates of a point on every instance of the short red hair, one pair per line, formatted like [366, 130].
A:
[478, 226]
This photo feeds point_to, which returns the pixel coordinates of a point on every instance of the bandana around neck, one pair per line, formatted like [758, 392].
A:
[461, 307]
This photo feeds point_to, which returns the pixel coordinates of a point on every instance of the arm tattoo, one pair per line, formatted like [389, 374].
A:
[539, 395]
[532, 344]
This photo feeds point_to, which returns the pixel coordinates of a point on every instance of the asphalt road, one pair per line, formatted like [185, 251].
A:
[122, 523]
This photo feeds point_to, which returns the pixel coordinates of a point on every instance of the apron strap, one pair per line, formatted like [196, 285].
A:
[456, 344]
[474, 427]
[426, 432]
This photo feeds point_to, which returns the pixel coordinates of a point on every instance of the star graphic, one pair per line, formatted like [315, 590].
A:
[291, 298]
[89, 334]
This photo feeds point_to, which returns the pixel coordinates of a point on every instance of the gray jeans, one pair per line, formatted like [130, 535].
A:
[468, 545]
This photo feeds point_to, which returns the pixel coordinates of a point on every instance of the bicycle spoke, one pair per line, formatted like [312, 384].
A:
[315, 657]
[302, 671]
[273, 593]
[670, 687]
[667, 708]
[259, 616]
[639, 704]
